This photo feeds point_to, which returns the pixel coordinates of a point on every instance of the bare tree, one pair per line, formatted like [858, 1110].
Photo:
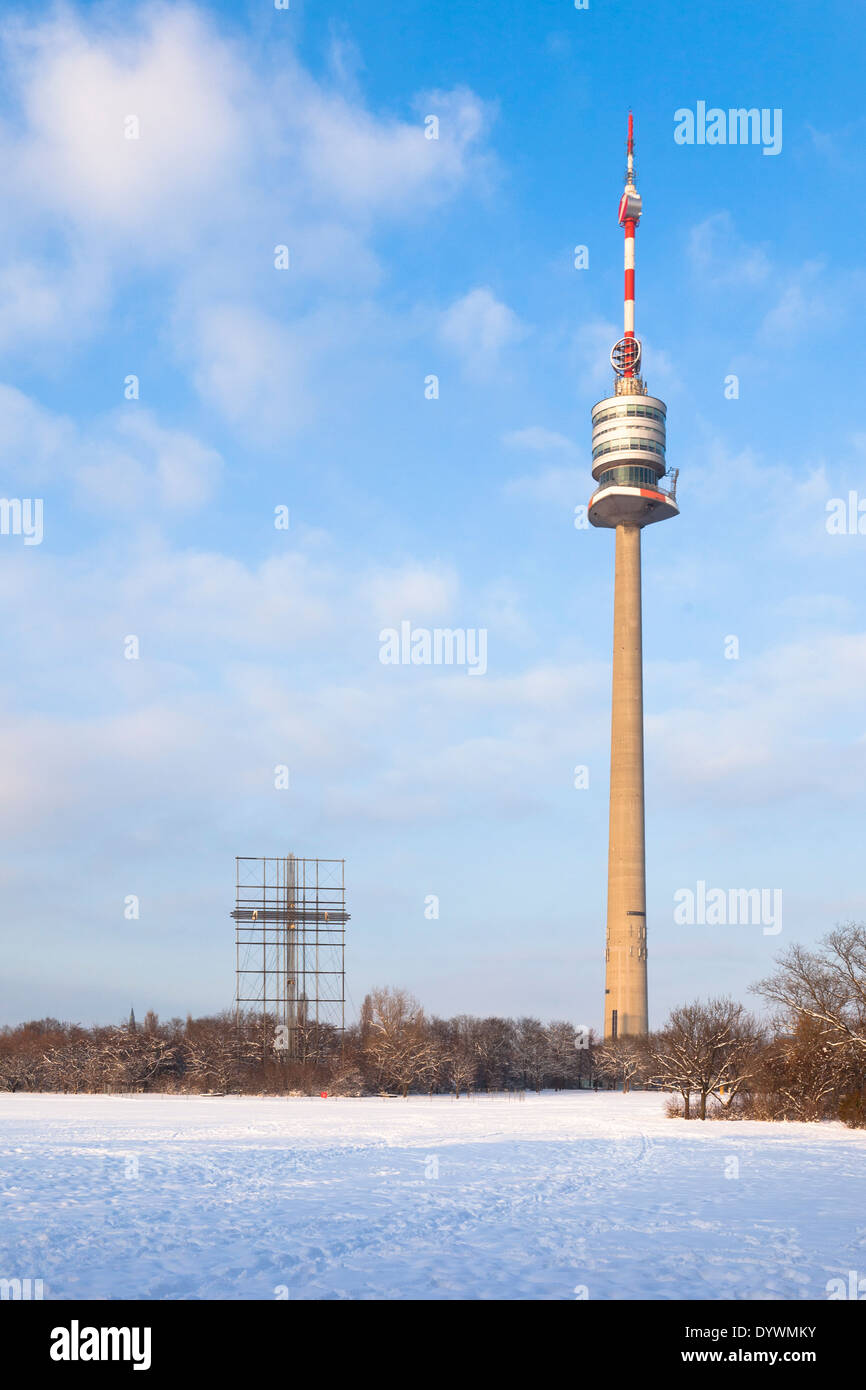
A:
[530, 1053]
[704, 1048]
[133, 1061]
[621, 1060]
[827, 986]
[397, 1044]
[563, 1055]
[801, 1077]
[495, 1049]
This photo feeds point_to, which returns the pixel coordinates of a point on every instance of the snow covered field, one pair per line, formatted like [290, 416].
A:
[491, 1197]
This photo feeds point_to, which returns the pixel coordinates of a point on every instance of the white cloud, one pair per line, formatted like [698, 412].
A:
[563, 486]
[140, 457]
[79, 83]
[237, 152]
[35, 444]
[820, 609]
[414, 593]
[479, 327]
[122, 461]
[721, 257]
[56, 302]
[372, 163]
[537, 439]
[210, 598]
[558, 484]
[218, 137]
[804, 304]
[501, 611]
[254, 370]
[769, 731]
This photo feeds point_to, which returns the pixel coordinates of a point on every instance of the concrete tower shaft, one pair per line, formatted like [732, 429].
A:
[628, 462]
[625, 995]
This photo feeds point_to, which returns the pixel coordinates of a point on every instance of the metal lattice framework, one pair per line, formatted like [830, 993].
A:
[290, 936]
[625, 356]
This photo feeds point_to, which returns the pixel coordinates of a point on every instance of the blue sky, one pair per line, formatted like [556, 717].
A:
[305, 388]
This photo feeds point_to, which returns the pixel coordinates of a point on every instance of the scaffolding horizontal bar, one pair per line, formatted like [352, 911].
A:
[315, 916]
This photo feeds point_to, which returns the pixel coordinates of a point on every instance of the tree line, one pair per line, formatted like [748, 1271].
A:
[806, 1062]
[395, 1048]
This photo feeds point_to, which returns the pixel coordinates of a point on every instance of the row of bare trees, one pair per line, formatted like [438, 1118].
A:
[806, 1062]
[395, 1048]
[48, 1055]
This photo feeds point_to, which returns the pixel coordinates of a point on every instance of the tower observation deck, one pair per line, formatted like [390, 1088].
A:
[628, 465]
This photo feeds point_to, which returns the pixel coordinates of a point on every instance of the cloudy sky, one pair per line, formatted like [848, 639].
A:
[145, 248]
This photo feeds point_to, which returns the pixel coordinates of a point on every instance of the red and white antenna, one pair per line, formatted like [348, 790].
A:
[625, 356]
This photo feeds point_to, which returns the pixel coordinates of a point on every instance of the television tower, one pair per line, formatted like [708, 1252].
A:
[628, 461]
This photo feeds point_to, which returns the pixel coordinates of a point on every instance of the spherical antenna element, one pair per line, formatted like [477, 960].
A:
[625, 356]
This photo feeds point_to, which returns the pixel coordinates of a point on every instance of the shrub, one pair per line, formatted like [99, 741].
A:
[852, 1110]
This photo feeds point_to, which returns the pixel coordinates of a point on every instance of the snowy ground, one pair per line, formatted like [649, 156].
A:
[492, 1197]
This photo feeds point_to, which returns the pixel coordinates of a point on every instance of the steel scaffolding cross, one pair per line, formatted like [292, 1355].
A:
[290, 936]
